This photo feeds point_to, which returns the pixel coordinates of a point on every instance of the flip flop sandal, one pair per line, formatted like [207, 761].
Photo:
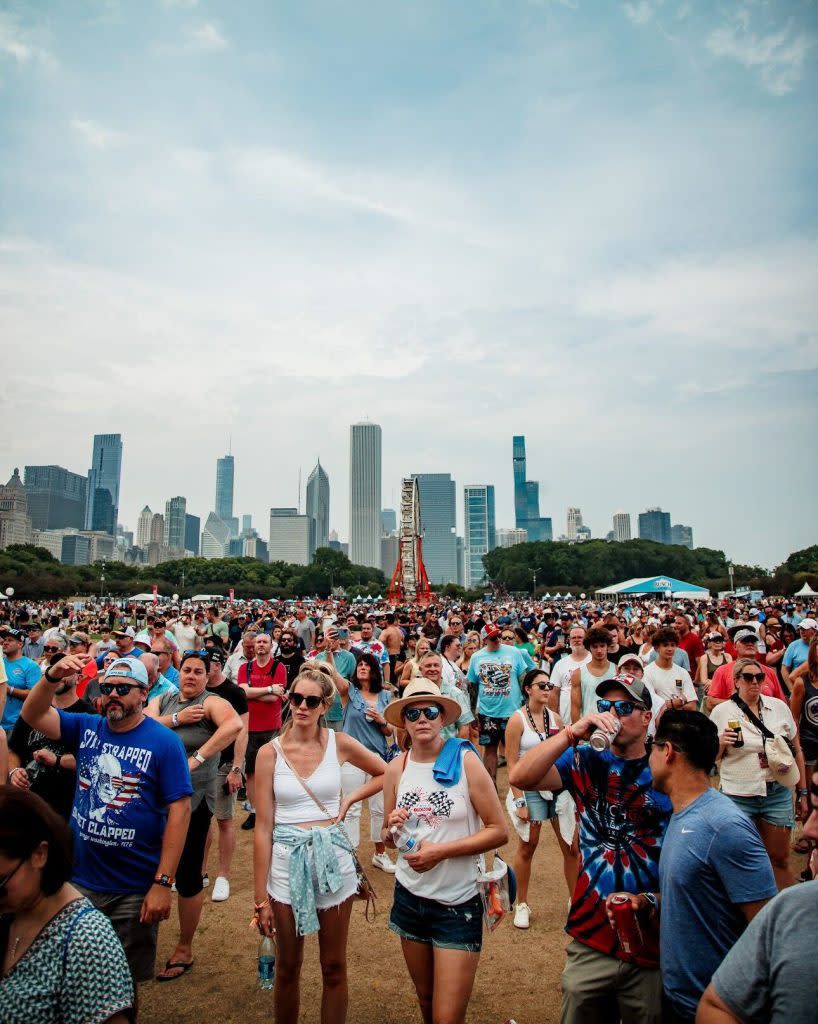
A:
[169, 965]
[803, 845]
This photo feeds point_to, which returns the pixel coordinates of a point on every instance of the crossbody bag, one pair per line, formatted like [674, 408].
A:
[364, 890]
[779, 752]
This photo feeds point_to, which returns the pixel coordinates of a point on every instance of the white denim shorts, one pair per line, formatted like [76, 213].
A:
[278, 881]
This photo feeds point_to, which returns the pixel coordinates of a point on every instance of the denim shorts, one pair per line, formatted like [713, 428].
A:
[775, 808]
[435, 924]
[539, 809]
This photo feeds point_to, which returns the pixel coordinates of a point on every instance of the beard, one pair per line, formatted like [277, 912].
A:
[116, 713]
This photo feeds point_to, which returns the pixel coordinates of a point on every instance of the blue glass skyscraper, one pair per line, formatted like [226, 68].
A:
[480, 530]
[527, 497]
[102, 508]
[438, 519]
[225, 469]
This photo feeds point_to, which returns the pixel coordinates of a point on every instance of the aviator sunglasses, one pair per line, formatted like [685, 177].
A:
[430, 713]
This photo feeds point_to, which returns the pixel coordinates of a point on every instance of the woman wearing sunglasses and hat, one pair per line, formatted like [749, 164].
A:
[304, 871]
[437, 911]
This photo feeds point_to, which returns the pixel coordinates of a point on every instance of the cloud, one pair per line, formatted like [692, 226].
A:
[186, 4]
[97, 136]
[640, 13]
[15, 43]
[204, 38]
[778, 56]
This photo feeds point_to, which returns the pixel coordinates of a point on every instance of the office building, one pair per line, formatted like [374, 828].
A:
[317, 509]
[583, 533]
[510, 538]
[574, 521]
[336, 545]
[157, 528]
[390, 552]
[253, 546]
[246, 523]
[438, 526]
[480, 533]
[215, 537]
[622, 526]
[389, 521]
[225, 470]
[193, 526]
[289, 536]
[56, 497]
[461, 561]
[144, 524]
[654, 524]
[15, 525]
[102, 497]
[527, 497]
[682, 535]
[76, 550]
[365, 494]
[174, 531]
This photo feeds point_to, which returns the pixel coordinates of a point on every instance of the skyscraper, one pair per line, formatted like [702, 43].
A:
[683, 535]
[143, 527]
[438, 521]
[174, 533]
[290, 537]
[622, 526]
[157, 528]
[654, 524]
[215, 537]
[225, 468]
[102, 499]
[527, 497]
[481, 530]
[365, 494]
[573, 523]
[318, 508]
[389, 520]
[15, 525]
[56, 497]
[193, 525]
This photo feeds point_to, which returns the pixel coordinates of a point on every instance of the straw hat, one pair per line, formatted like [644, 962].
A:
[422, 691]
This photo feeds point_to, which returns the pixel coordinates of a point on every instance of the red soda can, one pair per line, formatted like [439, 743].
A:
[626, 925]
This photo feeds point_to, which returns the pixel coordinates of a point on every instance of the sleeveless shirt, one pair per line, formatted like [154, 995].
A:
[293, 805]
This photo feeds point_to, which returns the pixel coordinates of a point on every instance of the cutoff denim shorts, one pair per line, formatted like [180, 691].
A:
[539, 809]
[775, 808]
[417, 919]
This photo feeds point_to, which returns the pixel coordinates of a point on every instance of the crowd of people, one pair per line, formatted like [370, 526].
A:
[672, 746]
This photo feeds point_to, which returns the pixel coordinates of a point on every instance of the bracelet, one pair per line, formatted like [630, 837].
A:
[235, 768]
[571, 735]
[19, 768]
[803, 792]
[48, 678]
[174, 719]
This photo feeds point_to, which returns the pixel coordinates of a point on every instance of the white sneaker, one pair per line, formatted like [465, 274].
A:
[221, 890]
[382, 861]
[205, 881]
[521, 915]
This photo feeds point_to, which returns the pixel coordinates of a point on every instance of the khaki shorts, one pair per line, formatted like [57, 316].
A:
[224, 804]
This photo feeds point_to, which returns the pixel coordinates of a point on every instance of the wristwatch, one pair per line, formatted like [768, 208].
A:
[174, 719]
[57, 762]
[520, 801]
[270, 690]
[235, 768]
[166, 881]
[651, 898]
[198, 757]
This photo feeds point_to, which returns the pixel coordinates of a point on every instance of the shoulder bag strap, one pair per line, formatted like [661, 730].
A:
[762, 728]
[305, 787]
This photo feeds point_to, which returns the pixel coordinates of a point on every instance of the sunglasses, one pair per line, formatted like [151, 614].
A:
[622, 708]
[51, 650]
[413, 714]
[7, 878]
[202, 653]
[752, 677]
[508, 636]
[312, 701]
[650, 743]
[122, 689]
[544, 686]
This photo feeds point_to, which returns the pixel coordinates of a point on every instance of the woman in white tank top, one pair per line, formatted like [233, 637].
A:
[530, 725]
[304, 872]
[437, 906]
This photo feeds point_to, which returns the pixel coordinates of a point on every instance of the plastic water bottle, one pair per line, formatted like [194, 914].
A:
[266, 963]
[408, 836]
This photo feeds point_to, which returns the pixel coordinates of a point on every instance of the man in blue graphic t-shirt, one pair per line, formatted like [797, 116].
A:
[622, 822]
[131, 806]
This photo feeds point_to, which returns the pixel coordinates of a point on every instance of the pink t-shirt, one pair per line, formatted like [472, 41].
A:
[722, 686]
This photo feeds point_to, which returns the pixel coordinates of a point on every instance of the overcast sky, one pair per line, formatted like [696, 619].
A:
[591, 223]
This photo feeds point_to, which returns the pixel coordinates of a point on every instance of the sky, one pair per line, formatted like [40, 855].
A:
[591, 223]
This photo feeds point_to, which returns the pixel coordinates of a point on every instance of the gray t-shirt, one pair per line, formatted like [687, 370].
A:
[768, 977]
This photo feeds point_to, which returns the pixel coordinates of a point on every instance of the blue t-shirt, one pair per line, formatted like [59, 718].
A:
[125, 781]
[497, 674]
[162, 686]
[622, 822]
[172, 674]
[359, 727]
[796, 654]
[25, 674]
[712, 860]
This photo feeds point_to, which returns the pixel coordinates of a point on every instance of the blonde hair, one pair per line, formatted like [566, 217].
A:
[741, 663]
[320, 674]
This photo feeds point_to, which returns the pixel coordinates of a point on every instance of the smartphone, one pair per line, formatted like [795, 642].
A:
[343, 633]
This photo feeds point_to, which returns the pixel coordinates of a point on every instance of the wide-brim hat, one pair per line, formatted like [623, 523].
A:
[420, 691]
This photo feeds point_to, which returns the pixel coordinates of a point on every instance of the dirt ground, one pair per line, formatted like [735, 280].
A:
[518, 977]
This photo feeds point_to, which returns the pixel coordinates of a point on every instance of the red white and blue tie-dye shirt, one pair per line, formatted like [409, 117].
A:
[622, 822]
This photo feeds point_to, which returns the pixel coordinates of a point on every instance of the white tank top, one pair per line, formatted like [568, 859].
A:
[449, 812]
[293, 805]
[529, 738]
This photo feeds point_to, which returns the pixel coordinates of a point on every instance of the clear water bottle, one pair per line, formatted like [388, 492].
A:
[266, 963]
[408, 836]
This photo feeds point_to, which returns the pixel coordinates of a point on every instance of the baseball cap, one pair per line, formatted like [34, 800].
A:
[17, 634]
[745, 636]
[492, 631]
[79, 638]
[128, 668]
[144, 638]
[217, 656]
[808, 624]
[629, 657]
[124, 631]
[630, 684]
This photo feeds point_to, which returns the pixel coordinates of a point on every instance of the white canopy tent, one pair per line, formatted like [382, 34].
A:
[806, 591]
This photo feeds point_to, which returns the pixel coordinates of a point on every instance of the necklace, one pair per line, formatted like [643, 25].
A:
[545, 722]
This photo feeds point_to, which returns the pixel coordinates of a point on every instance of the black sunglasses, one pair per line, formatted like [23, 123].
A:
[752, 677]
[52, 649]
[650, 743]
[122, 689]
[7, 878]
[312, 701]
[413, 714]
[623, 708]
[544, 686]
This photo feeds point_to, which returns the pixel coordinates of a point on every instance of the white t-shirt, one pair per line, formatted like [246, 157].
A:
[663, 681]
[561, 677]
[185, 637]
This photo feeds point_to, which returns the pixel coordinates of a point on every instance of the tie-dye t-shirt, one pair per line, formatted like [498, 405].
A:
[622, 821]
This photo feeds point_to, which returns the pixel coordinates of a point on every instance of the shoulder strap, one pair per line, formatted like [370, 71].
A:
[762, 728]
[305, 787]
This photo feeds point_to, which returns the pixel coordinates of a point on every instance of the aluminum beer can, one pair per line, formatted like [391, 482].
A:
[601, 739]
[626, 925]
[735, 725]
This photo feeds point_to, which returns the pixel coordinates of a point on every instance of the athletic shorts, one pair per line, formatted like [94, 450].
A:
[138, 940]
[255, 741]
[417, 919]
[492, 730]
[775, 808]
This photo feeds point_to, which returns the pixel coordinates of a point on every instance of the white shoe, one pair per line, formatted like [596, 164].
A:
[382, 861]
[205, 881]
[221, 890]
[521, 915]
